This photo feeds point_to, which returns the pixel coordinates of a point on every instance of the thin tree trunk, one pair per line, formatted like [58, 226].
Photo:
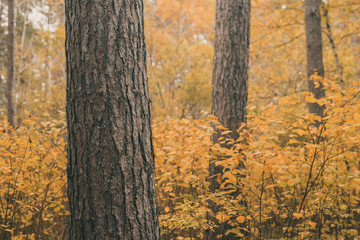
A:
[21, 61]
[339, 67]
[111, 161]
[11, 64]
[48, 61]
[230, 77]
[1, 49]
[315, 64]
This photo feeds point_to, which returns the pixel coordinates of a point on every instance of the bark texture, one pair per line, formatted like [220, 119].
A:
[231, 62]
[314, 52]
[230, 77]
[11, 64]
[111, 161]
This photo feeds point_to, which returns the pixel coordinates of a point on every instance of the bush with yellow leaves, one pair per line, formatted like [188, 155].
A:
[299, 179]
[33, 181]
[301, 176]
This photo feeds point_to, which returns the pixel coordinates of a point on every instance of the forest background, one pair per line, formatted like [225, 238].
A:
[294, 185]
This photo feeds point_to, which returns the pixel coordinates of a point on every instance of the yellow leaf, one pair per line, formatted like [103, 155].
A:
[300, 132]
[231, 177]
[221, 127]
[297, 215]
[225, 132]
[353, 232]
[270, 186]
[312, 224]
[292, 182]
[219, 179]
[285, 100]
[28, 121]
[310, 99]
[357, 117]
[222, 217]
[240, 219]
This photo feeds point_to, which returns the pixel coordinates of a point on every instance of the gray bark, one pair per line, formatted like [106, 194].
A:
[11, 64]
[111, 161]
[314, 52]
[230, 78]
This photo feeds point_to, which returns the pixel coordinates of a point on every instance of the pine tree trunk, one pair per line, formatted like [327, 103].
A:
[314, 52]
[111, 161]
[11, 64]
[230, 77]
[231, 62]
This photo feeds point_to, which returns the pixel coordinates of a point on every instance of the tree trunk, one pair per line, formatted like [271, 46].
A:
[230, 76]
[111, 173]
[315, 64]
[339, 67]
[11, 64]
[231, 62]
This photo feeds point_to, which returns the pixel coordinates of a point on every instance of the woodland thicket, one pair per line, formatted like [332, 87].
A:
[300, 173]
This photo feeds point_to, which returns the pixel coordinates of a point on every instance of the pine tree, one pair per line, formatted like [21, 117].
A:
[230, 78]
[111, 161]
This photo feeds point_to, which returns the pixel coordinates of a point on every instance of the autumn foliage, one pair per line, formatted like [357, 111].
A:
[33, 181]
[298, 181]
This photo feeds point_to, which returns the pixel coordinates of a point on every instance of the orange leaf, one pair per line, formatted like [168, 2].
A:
[297, 215]
[240, 219]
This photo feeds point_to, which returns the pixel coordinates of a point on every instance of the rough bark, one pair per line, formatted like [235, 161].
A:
[314, 52]
[230, 76]
[11, 64]
[111, 161]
